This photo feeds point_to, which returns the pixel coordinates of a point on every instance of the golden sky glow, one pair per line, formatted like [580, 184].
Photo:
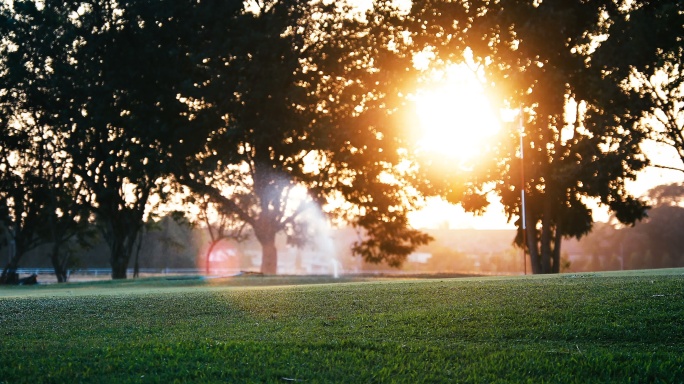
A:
[456, 119]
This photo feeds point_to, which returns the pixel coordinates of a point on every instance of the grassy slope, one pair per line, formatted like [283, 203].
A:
[568, 328]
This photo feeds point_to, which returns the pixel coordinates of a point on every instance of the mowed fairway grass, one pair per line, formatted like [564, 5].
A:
[602, 327]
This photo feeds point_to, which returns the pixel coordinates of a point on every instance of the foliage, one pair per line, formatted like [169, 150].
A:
[571, 328]
[668, 194]
[270, 110]
[243, 106]
[121, 97]
[171, 233]
[294, 122]
[645, 52]
[42, 198]
[101, 86]
[579, 140]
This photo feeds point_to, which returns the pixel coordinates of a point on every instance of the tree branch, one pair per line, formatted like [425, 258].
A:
[214, 194]
[668, 167]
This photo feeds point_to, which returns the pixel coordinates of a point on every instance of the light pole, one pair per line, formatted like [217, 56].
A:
[522, 189]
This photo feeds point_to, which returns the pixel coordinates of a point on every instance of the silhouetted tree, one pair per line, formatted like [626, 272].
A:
[167, 241]
[645, 52]
[301, 100]
[113, 71]
[44, 201]
[285, 96]
[219, 226]
[578, 144]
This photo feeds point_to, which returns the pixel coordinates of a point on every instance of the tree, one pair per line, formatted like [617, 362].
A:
[663, 231]
[579, 144]
[167, 240]
[42, 200]
[115, 102]
[645, 52]
[137, 88]
[21, 208]
[296, 96]
[66, 217]
[219, 226]
[103, 79]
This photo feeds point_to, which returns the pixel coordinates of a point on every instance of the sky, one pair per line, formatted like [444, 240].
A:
[438, 213]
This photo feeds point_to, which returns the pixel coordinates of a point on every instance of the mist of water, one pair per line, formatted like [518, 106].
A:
[318, 255]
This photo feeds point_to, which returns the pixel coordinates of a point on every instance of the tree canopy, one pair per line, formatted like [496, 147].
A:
[296, 112]
[245, 106]
[269, 108]
[580, 139]
[644, 53]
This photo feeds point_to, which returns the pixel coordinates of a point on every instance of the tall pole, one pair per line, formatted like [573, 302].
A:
[522, 189]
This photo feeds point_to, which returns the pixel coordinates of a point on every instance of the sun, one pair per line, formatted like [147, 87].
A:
[455, 117]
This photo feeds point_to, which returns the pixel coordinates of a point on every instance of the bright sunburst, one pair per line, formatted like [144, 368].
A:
[456, 118]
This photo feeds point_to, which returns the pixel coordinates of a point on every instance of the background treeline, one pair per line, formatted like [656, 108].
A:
[656, 242]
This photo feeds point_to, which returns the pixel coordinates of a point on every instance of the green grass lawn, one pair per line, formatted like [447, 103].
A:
[568, 328]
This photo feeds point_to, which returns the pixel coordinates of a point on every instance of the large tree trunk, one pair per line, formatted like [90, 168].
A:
[543, 248]
[212, 245]
[121, 233]
[269, 252]
[265, 230]
[269, 257]
[59, 267]
[557, 250]
[121, 248]
[9, 273]
[532, 244]
[118, 259]
[544, 252]
[14, 252]
[545, 239]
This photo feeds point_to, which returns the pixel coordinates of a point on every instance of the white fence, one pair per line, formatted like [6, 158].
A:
[108, 271]
[48, 274]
